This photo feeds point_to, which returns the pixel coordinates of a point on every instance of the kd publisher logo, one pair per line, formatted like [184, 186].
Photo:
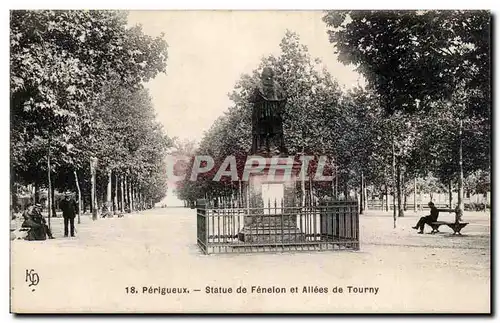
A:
[32, 278]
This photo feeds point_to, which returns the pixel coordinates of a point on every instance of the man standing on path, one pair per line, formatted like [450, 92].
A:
[68, 207]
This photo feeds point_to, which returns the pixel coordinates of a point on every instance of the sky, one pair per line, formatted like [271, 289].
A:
[208, 51]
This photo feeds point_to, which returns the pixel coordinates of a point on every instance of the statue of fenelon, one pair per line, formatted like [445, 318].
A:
[267, 116]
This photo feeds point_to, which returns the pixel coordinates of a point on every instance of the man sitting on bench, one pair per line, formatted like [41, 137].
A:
[427, 219]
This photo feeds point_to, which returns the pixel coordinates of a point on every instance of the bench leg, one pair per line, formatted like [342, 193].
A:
[435, 229]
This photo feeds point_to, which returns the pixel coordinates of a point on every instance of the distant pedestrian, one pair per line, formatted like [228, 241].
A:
[69, 209]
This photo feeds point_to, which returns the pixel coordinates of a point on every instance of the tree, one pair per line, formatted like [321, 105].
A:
[309, 91]
[61, 64]
[421, 60]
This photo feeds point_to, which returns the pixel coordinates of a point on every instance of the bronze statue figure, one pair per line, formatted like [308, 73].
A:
[267, 116]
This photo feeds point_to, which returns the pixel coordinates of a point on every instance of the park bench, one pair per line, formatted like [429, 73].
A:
[456, 226]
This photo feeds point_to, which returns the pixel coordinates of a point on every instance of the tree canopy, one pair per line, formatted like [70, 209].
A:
[418, 95]
[77, 91]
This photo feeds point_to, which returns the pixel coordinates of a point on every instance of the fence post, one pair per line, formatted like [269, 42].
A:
[201, 210]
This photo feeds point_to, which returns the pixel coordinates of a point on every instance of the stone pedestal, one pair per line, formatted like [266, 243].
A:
[270, 235]
[272, 214]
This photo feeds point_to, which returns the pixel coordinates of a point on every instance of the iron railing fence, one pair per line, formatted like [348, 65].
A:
[231, 228]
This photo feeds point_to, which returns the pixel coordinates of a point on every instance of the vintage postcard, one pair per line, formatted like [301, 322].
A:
[250, 161]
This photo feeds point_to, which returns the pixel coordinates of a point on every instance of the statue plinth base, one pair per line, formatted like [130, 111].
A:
[273, 218]
[271, 235]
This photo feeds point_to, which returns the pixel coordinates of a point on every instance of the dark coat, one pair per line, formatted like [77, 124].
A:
[434, 213]
[69, 208]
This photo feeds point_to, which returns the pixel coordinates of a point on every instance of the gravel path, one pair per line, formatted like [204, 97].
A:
[397, 270]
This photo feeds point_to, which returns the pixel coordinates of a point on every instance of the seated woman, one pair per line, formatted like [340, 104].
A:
[34, 221]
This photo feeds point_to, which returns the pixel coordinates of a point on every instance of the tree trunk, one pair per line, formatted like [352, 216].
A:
[122, 193]
[248, 197]
[115, 200]
[125, 192]
[130, 195]
[52, 198]
[13, 195]
[403, 189]
[357, 199]
[365, 196]
[79, 210]
[421, 200]
[405, 199]
[346, 188]
[139, 198]
[362, 196]
[135, 197]
[37, 191]
[399, 190]
[333, 187]
[387, 208]
[311, 192]
[49, 187]
[93, 197]
[127, 196]
[415, 194]
[108, 191]
[386, 191]
[334, 175]
[394, 182]
[303, 184]
[137, 201]
[240, 194]
[450, 194]
[458, 215]
[336, 196]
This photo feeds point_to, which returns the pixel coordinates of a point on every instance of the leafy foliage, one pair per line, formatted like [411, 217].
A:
[431, 72]
[76, 90]
[427, 72]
